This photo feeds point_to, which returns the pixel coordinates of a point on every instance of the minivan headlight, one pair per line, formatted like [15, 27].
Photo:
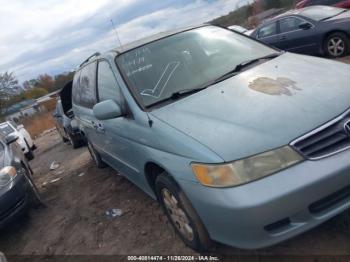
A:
[6, 175]
[246, 170]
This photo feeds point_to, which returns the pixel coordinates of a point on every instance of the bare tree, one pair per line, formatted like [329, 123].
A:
[7, 82]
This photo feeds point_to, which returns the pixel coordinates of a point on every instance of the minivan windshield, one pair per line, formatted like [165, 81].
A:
[186, 61]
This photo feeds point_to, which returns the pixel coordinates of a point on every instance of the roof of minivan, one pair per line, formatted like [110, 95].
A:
[149, 39]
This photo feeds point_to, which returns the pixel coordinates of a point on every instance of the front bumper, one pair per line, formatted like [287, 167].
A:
[277, 207]
[13, 200]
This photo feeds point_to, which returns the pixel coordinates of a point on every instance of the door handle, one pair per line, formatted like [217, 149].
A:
[283, 37]
[100, 128]
[94, 124]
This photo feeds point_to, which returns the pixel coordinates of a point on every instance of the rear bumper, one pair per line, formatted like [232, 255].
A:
[275, 208]
[13, 200]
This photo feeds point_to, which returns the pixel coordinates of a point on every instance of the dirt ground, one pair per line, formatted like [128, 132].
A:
[75, 221]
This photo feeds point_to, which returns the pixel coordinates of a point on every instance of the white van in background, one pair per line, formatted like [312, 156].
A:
[24, 139]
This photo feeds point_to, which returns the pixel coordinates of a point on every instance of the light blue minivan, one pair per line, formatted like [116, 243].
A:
[240, 143]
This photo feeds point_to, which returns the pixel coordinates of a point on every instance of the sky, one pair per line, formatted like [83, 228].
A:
[54, 36]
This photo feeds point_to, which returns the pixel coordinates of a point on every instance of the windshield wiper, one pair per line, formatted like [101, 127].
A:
[329, 17]
[185, 92]
[177, 95]
[182, 93]
[242, 65]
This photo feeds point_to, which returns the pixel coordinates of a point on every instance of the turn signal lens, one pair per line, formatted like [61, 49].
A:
[7, 174]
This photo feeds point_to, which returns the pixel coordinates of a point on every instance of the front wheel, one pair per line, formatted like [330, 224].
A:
[337, 45]
[181, 214]
[34, 196]
[96, 156]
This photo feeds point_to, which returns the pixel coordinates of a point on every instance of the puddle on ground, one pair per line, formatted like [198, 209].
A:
[269, 86]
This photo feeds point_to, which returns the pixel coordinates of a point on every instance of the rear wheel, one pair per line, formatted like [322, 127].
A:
[96, 156]
[181, 214]
[73, 141]
[29, 155]
[337, 45]
[64, 139]
[34, 196]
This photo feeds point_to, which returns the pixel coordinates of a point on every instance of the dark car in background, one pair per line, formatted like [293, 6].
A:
[315, 30]
[17, 189]
[66, 125]
[336, 3]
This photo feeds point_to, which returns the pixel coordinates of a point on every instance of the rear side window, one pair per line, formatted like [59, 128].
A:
[59, 109]
[2, 149]
[76, 88]
[290, 24]
[84, 86]
[5, 129]
[107, 85]
[268, 30]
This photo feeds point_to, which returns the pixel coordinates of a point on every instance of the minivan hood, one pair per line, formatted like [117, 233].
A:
[264, 107]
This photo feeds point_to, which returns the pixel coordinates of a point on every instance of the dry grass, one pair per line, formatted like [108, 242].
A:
[49, 105]
[39, 123]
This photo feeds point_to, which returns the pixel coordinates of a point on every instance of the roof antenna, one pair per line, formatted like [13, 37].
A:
[116, 33]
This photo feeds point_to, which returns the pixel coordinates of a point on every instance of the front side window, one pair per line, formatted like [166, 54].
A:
[290, 24]
[185, 61]
[107, 85]
[87, 85]
[268, 30]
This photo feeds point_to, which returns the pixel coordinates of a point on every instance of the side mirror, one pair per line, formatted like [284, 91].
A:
[305, 26]
[107, 110]
[10, 139]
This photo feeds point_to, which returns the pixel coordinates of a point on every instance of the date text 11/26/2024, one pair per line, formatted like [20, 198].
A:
[173, 258]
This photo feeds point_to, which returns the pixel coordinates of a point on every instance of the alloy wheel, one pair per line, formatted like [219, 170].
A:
[336, 46]
[177, 214]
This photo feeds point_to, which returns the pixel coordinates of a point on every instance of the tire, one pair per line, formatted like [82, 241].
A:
[64, 139]
[336, 45]
[73, 141]
[34, 196]
[29, 155]
[191, 229]
[96, 156]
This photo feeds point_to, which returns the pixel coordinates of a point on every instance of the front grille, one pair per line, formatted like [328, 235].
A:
[330, 201]
[326, 140]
